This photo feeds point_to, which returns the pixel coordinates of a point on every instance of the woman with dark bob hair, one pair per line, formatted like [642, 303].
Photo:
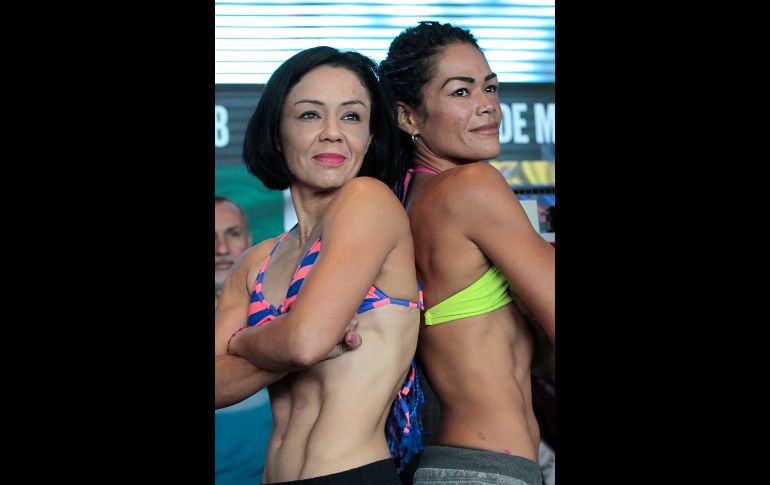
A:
[325, 129]
[475, 250]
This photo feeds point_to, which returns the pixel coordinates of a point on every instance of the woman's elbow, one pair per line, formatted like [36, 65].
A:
[306, 355]
[307, 350]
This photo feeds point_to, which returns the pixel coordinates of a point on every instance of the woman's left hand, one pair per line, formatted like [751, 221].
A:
[350, 340]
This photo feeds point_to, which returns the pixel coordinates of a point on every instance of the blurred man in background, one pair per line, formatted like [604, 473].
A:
[242, 430]
[231, 237]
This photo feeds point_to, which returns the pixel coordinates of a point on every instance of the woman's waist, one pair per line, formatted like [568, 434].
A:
[320, 415]
[493, 374]
[513, 433]
[485, 411]
[508, 413]
[325, 453]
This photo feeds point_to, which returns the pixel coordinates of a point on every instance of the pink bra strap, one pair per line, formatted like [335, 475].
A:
[416, 169]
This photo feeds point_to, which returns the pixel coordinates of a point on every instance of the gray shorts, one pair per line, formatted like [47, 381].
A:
[450, 465]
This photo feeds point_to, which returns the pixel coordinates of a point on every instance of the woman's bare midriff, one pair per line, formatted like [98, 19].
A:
[479, 368]
[331, 417]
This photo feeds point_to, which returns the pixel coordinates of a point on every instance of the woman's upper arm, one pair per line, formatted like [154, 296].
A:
[363, 225]
[233, 307]
[497, 224]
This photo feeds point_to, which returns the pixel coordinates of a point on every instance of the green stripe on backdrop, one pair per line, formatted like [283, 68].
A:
[264, 207]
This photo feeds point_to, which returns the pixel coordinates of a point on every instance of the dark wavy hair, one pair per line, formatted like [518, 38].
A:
[262, 139]
[410, 65]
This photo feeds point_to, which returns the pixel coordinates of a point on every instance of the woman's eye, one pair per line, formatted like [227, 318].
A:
[461, 92]
[492, 88]
[308, 115]
[351, 117]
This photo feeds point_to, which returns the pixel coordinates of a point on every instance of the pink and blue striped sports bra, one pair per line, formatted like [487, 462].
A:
[262, 311]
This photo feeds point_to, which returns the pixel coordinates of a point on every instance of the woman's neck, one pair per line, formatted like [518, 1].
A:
[433, 162]
[310, 207]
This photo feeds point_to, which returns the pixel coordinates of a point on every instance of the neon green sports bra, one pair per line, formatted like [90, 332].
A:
[484, 295]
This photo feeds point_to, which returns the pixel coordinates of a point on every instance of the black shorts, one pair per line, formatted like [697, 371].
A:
[381, 472]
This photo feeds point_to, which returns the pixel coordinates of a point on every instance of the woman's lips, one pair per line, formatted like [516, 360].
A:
[490, 129]
[330, 158]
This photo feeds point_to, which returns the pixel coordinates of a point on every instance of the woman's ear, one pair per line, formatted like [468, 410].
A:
[407, 118]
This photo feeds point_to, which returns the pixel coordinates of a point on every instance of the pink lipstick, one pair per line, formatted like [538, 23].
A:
[330, 158]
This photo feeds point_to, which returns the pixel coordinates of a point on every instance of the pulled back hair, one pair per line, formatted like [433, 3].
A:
[410, 65]
[411, 59]
[262, 140]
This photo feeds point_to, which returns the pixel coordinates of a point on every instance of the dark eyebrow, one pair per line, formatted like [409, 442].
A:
[315, 101]
[468, 80]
